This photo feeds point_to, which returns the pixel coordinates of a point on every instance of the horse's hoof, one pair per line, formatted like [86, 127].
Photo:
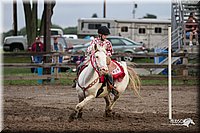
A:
[108, 114]
[72, 116]
[80, 115]
[70, 119]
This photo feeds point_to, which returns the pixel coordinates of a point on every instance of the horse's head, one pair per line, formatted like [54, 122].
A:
[99, 60]
[188, 121]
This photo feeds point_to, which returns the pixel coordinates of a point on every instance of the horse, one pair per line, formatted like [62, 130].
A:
[88, 83]
[187, 122]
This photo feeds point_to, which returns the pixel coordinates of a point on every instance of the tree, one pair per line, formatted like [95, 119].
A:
[70, 30]
[52, 3]
[31, 19]
[150, 16]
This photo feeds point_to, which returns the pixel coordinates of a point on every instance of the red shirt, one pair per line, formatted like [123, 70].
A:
[37, 47]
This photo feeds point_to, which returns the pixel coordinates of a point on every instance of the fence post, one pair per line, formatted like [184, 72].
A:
[185, 69]
[56, 68]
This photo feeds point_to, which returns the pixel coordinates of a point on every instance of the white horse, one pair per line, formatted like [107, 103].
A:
[187, 122]
[88, 84]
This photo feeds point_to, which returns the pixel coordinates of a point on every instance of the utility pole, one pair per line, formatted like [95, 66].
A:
[134, 7]
[104, 8]
[15, 17]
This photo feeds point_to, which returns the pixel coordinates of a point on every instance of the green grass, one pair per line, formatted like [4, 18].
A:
[16, 59]
[27, 72]
[16, 71]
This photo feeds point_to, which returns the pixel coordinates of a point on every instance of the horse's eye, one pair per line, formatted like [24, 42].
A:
[97, 56]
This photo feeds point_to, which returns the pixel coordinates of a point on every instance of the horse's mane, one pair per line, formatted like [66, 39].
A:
[99, 48]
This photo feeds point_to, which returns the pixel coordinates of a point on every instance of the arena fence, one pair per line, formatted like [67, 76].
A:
[183, 67]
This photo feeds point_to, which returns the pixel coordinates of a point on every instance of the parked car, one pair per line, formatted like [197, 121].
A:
[120, 45]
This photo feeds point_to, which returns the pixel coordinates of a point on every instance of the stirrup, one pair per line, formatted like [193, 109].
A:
[74, 84]
[114, 91]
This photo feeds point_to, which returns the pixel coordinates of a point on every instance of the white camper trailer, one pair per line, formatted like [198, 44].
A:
[147, 31]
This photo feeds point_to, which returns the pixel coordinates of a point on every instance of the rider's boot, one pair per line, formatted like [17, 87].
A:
[77, 73]
[74, 83]
[111, 86]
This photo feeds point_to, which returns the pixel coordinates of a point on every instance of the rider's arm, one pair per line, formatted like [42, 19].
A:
[91, 47]
[109, 49]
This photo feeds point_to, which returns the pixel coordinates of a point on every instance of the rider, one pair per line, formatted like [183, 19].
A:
[37, 46]
[101, 41]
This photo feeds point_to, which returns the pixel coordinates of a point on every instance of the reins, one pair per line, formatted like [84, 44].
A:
[92, 60]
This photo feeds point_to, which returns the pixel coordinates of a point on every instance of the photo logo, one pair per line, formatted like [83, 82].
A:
[184, 122]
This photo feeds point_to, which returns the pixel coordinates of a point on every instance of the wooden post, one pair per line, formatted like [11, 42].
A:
[185, 70]
[56, 68]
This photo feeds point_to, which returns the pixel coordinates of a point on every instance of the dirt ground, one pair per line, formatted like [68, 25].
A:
[47, 108]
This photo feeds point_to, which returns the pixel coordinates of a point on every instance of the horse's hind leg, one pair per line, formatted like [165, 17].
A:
[108, 103]
[110, 107]
[113, 102]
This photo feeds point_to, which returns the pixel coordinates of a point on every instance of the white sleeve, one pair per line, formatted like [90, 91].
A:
[90, 48]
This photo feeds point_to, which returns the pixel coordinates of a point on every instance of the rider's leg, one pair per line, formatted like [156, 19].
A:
[111, 84]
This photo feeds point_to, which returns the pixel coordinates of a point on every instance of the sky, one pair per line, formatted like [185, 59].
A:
[67, 12]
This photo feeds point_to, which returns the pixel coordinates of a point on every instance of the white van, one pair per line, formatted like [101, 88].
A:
[55, 31]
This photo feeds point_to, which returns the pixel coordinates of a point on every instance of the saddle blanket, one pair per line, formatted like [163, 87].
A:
[116, 70]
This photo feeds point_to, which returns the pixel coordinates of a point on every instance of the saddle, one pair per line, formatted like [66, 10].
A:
[116, 70]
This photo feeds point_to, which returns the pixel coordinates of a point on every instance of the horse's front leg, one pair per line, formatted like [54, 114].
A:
[80, 113]
[77, 112]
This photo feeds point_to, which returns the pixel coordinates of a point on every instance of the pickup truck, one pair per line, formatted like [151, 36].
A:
[19, 43]
[15, 43]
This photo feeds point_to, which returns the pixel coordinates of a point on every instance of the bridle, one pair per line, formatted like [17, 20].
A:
[96, 68]
[94, 62]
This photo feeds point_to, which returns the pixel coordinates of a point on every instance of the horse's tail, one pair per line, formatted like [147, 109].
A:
[134, 81]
